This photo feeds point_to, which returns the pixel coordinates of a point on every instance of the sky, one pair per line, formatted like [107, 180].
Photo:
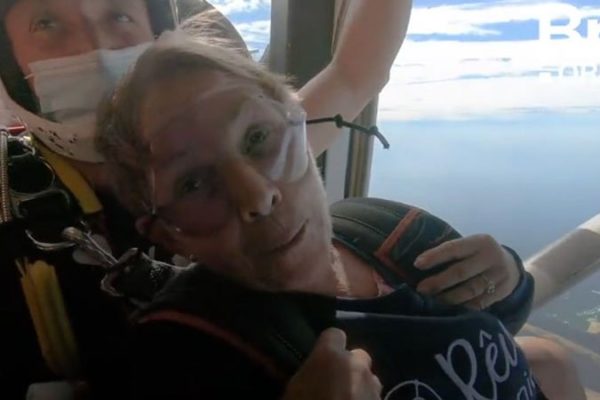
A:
[479, 59]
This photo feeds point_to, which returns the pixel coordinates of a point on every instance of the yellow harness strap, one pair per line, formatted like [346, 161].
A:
[52, 326]
[41, 287]
[73, 180]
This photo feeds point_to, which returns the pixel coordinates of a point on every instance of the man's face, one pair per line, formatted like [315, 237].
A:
[47, 29]
[216, 198]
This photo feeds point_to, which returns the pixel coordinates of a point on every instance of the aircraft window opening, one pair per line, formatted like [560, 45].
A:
[496, 140]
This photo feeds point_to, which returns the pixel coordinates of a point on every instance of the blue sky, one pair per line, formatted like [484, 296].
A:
[527, 182]
[467, 60]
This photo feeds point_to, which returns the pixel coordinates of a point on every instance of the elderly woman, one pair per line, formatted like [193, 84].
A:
[212, 158]
[59, 57]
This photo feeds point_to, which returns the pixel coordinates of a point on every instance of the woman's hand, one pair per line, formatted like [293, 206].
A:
[481, 274]
[333, 373]
[369, 39]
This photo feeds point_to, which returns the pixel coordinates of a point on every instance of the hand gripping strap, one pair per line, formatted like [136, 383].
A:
[390, 235]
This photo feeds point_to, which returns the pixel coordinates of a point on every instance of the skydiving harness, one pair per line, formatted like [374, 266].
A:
[35, 205]
[280, 335]
[419, 347]
[46, 207]
[49, 205]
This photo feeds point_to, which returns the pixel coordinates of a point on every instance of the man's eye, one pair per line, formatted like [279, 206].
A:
[122, 18]
[253, 141]
[44, 24]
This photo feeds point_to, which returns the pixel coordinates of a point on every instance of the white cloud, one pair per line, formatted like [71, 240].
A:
[234, 6]
[472, 18]
[255, 32]
[471, 79]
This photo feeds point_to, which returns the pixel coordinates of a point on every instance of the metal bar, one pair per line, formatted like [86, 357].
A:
[566, 262]
[301, 43]
[301, 32]
[360, 155]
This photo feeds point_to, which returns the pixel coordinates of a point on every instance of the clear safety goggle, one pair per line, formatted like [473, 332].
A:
[266, 136]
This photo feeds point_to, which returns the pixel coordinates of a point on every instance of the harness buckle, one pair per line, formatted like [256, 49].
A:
[48, 247]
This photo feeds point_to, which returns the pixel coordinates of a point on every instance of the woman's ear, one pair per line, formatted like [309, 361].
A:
[144, 224]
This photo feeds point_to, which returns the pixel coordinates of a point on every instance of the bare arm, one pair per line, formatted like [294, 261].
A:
[367, 47]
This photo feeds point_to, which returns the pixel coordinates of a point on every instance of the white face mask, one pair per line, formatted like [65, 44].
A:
[69, 90]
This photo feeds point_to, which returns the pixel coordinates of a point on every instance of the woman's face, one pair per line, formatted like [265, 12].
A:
[47, 29]
[213, 190]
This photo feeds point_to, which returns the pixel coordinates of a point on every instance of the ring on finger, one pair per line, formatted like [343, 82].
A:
[490, 284]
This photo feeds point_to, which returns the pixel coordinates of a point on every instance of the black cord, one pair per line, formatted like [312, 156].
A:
[340, 123]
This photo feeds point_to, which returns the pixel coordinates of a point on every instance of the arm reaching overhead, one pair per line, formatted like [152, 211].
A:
[366, 49]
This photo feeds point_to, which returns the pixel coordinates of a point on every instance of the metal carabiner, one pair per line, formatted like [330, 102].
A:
[48, 246]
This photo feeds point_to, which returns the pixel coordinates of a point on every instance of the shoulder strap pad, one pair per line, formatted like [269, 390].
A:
[390, 235]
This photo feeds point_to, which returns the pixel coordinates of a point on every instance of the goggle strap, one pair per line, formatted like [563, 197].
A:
[341, 123]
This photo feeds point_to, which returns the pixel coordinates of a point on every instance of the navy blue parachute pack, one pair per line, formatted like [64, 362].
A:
[255, 341]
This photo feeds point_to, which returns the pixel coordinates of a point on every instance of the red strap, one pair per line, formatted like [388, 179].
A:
[383, 252]
[227, 336]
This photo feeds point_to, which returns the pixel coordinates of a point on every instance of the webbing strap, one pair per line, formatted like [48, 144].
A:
[39, 281]
[226, 335]
[54, 333]
[72, 179]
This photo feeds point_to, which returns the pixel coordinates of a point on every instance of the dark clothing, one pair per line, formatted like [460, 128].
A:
[206, 337]
[259, 339]
[169, 359]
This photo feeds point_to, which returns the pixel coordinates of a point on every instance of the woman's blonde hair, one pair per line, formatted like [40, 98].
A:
[174, 54]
